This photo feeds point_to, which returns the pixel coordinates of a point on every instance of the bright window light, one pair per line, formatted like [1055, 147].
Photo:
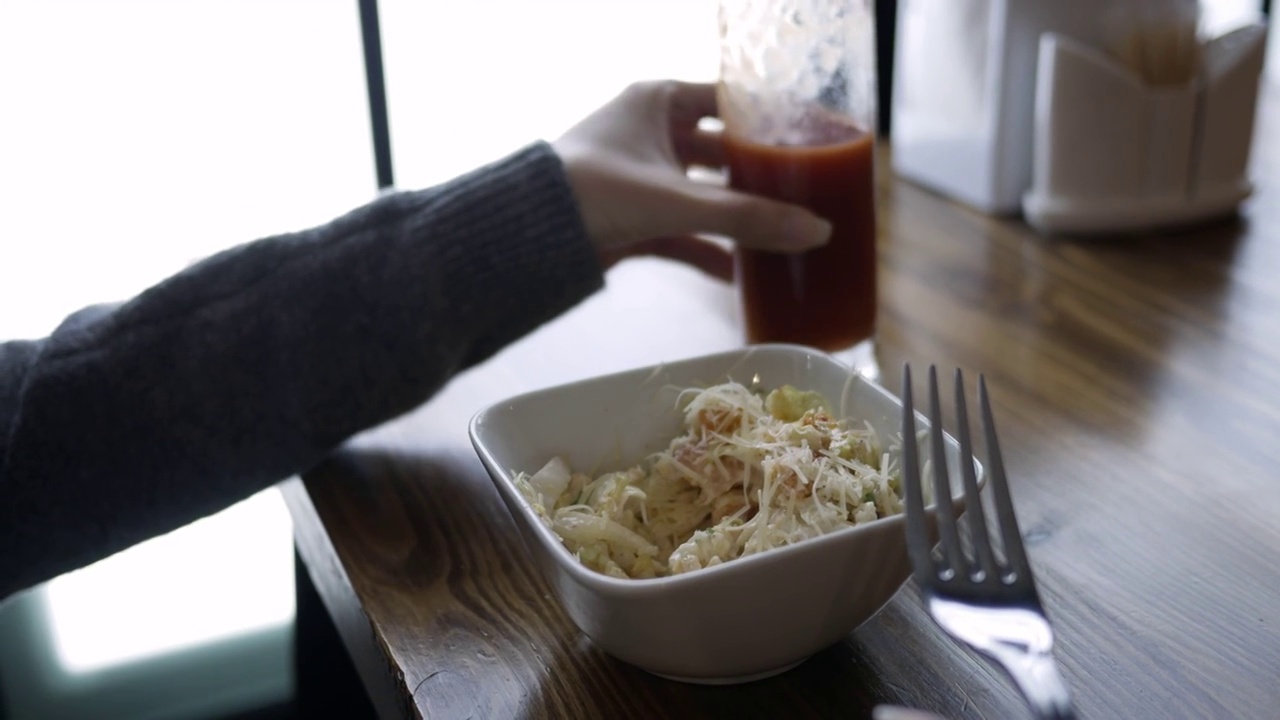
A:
[1219, 16]
[222, 576]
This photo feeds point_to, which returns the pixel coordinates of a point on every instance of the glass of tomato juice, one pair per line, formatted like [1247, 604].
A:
[797, 96]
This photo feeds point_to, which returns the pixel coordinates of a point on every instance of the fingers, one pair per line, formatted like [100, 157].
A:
[687, 105]
[692, 250]
[753, 222]
[699, 147]
[690, 102]
[628, 166]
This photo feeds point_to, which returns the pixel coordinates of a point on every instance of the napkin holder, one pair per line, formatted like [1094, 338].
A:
[1112, 154]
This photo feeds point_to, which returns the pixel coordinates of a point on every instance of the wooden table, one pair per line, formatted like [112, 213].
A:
[1137, 387]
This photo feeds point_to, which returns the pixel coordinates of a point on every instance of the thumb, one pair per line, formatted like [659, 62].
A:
[752, 221]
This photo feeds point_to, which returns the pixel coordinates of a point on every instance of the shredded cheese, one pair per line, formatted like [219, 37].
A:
[747, 474]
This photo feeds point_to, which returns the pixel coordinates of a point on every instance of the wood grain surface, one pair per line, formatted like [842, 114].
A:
[1136, 384]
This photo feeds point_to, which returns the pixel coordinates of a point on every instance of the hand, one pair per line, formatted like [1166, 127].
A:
[627, 164]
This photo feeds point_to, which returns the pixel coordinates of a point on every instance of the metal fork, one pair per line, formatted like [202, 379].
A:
[989, 603]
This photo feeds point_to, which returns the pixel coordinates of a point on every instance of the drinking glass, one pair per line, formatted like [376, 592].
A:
[797, 96]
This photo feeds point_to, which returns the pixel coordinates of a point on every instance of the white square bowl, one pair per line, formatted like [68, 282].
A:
[746, 619]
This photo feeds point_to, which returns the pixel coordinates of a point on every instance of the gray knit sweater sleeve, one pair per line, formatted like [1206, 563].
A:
[132, 420]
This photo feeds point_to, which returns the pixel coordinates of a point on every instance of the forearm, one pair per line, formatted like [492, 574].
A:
[248, 367]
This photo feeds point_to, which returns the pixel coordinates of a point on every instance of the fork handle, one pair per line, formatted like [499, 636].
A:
[1036, 674]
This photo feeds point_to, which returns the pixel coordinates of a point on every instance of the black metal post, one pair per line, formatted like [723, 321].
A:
[886, 39]
[377, 90]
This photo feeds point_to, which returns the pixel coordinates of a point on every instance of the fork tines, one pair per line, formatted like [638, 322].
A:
[982, 571]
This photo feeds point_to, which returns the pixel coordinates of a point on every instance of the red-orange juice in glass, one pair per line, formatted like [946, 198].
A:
[825, 298]
[797, 96]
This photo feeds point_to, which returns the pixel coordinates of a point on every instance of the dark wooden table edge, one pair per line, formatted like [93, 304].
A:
[334, 586]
